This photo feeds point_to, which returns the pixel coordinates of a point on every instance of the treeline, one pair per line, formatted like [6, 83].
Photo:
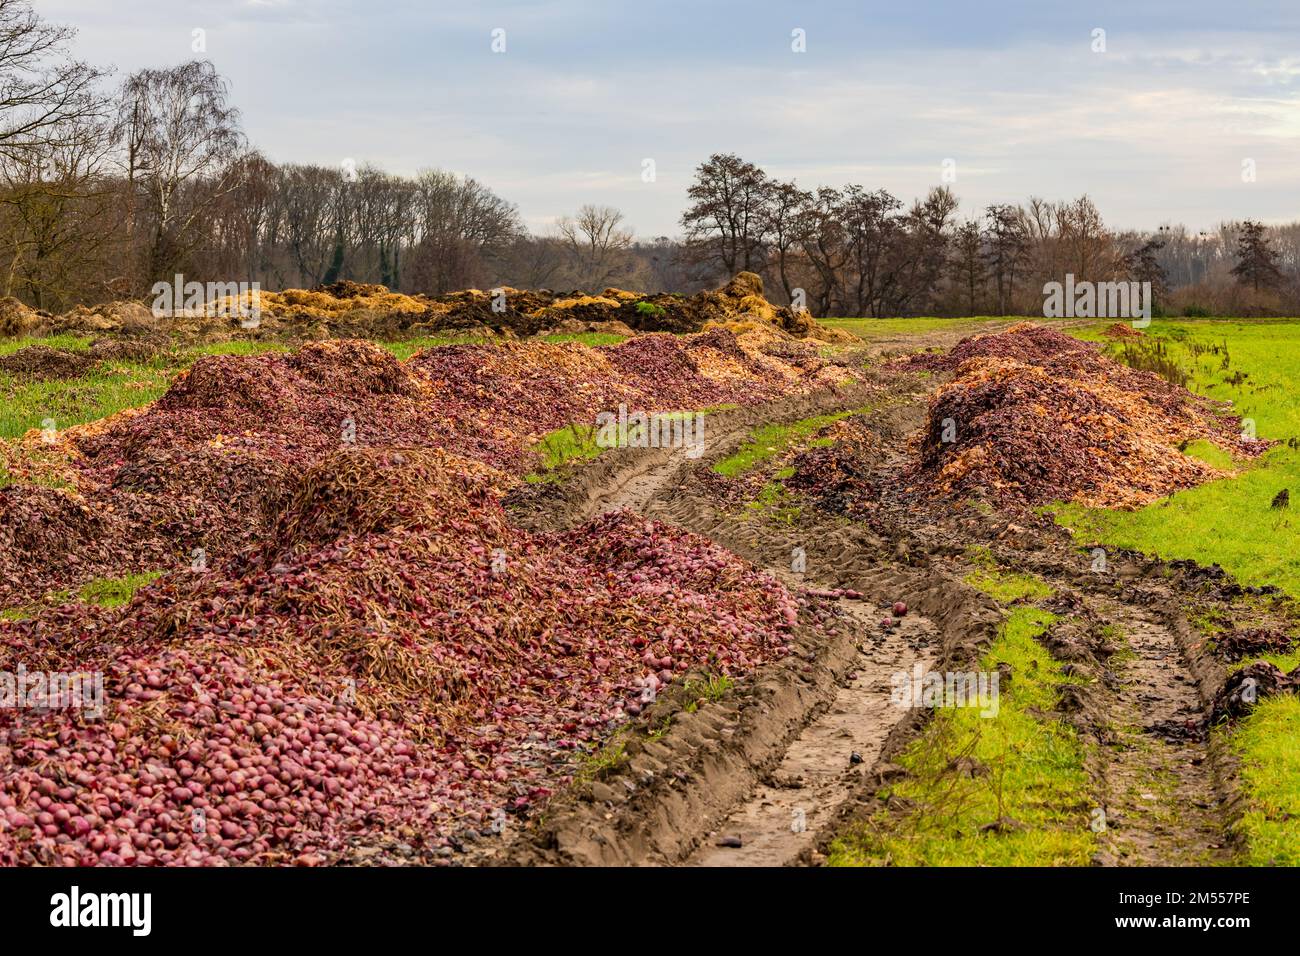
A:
[855, 251]
[106, 189]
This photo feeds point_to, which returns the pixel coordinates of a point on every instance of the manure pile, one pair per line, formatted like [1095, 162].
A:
[358, 310]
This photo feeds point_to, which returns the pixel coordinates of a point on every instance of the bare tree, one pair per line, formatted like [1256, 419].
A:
[1086, 245]
[462, 230]
[725, 223]
[822, 240]
[597, 245]
[783, 224]
[187, 136]
[44, 94]
[969, 269]
[919, 254]
[1008, 239]
[59, 217]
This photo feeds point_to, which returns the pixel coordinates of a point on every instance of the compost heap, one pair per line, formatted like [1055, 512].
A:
[1038, 416]
[353, 309]
[351, 640]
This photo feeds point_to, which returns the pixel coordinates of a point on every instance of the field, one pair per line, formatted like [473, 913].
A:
[757, 591]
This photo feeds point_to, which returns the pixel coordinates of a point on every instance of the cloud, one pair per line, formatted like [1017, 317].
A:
[1155, 128]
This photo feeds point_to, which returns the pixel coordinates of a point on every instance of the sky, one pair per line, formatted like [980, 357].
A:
[1179, 112]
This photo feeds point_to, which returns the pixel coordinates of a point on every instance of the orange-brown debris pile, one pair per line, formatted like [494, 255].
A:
[1034, 416]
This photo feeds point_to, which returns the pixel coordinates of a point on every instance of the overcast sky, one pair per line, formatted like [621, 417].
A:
[1155, 128]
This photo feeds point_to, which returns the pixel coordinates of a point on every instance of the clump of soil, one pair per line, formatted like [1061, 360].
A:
[838, 476]
[117, 318]
[1251, 642]
[16, 318]
[741, 300]
[43, 362]
[352, 309]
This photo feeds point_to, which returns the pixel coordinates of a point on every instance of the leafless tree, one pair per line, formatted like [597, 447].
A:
[1008, 240]
[969, 270]
[462, 228]
[44, 93]
[784, 223]
[597, 245]
[187, 137]
[823, 243]
[58, 214]
[725, 223]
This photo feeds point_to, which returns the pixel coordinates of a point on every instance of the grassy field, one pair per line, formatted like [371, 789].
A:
[771, 440]
[1256, 366]
[105, 390]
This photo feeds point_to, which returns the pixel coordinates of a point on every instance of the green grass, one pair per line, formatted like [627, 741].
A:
[1031, 772]
[769, 441]
[774, 502]
[600, 761]
[106, 592]
[68, 402]
[73, 343]
[561, 447]
[1255, 364]
[591, 339]
[1229, 521]
[112, 592]
[1211, 454]
[1007, 587]
[575, 443]
[704, 690]
[106, 389]
[1270, 776]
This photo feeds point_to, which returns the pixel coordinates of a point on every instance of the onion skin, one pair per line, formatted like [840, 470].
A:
[261, 712]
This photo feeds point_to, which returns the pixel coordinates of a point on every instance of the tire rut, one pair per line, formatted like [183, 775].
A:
[1159, 784]
[793, 808]
[1154, 772]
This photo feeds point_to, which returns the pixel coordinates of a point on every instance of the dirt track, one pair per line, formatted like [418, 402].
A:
[769, 775]
[778, 769]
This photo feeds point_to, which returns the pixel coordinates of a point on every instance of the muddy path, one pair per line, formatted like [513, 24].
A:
[777, 824]
[1165, 794]
[772, 772]
[1158, 789]
[760, 778]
